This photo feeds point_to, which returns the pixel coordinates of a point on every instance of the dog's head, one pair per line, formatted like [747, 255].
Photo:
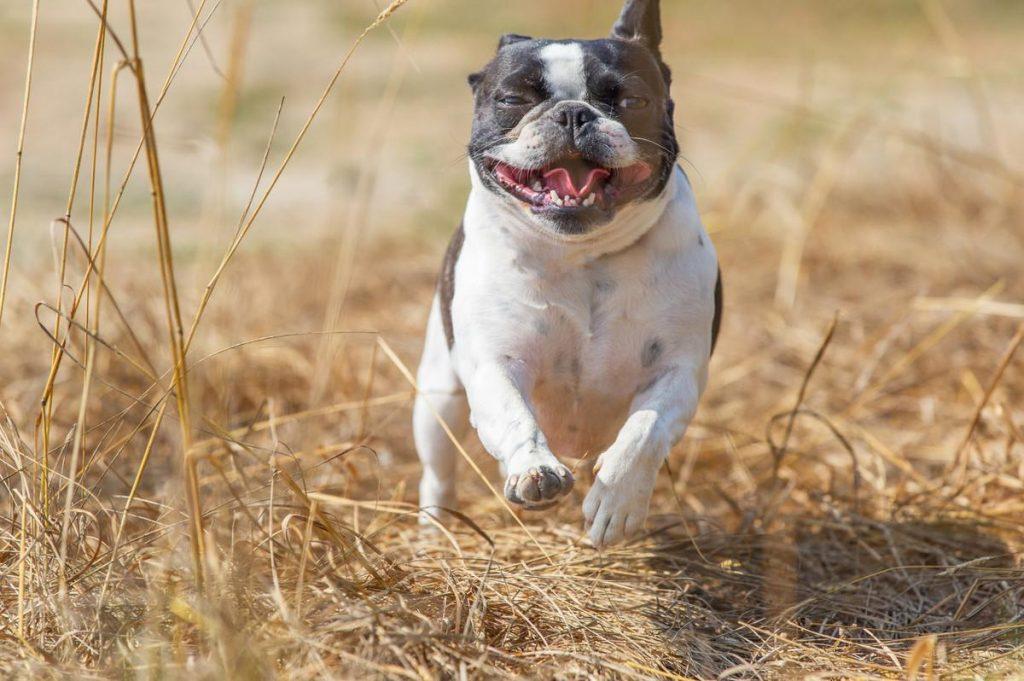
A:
[571, 131]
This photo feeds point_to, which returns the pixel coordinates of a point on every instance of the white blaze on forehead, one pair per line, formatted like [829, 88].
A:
[563, 70]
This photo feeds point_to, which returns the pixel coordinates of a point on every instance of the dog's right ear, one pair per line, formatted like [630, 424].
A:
[640, 21]
[511, 39]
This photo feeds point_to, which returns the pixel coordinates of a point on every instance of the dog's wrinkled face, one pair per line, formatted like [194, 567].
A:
[571, 131]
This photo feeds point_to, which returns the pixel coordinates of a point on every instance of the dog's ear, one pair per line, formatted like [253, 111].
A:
[640, 21]
[474, 79]
[511, 39]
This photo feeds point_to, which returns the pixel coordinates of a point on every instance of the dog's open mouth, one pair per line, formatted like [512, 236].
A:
[573, 184]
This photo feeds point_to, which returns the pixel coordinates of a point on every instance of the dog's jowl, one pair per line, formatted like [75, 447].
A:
[580, 298]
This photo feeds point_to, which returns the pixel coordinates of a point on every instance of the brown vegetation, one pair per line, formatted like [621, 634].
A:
[848, 504]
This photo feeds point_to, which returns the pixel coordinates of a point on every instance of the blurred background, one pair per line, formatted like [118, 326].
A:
[847, 156]
[859, 159]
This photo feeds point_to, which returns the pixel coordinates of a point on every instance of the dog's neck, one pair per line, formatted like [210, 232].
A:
[506, 221]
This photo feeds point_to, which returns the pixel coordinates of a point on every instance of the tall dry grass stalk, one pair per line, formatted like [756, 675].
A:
[19, 154]
[177, 339]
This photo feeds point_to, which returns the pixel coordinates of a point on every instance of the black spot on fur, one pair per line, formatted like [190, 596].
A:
[446, 283]
[716, 323]
[652, 352]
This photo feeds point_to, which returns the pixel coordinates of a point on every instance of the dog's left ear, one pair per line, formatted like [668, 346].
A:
[640, 21]
[512, 39]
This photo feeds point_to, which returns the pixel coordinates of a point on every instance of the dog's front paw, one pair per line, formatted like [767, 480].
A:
[537, 483]
[616, 505]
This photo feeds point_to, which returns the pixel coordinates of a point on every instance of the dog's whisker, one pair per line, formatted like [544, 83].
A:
[653, 143]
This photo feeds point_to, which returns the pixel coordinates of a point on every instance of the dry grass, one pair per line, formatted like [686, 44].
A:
[848, 504]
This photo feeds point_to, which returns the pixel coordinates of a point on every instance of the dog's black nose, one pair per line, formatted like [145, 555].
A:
[575, 117]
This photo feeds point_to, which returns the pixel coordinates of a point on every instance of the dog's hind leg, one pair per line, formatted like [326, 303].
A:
[440, 394]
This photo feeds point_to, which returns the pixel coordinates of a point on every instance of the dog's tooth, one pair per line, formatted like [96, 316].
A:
[538, 186]
[590, 200]
[554, 197]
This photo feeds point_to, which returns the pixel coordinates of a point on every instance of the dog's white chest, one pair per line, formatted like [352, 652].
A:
[590, 336]
[588, 346]
[583, 332]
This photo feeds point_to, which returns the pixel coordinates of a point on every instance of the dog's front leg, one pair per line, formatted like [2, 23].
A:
[616, 506]
[501, 413]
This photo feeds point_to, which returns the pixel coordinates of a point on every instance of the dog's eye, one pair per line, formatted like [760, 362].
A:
[512, 100]
[633, 103]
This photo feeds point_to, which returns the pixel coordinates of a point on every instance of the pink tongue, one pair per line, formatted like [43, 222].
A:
[509, 173]
[561, 181]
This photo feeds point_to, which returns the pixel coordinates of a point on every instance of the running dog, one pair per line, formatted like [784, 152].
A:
[580, 299]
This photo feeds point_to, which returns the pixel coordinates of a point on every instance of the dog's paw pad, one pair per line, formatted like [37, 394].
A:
[539, 487]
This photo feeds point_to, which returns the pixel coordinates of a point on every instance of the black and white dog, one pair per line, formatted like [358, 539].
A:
[580, 299]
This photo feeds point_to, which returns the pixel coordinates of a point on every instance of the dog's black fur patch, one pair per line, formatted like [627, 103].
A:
[716, 324]
[446, 283]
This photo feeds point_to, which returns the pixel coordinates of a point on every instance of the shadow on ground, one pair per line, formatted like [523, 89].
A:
[858, 591]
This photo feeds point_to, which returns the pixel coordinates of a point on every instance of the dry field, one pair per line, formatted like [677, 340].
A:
[848, 504]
